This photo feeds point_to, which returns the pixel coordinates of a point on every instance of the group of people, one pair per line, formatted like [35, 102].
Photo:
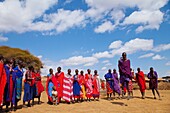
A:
[76, 88]
[11, 77]
[65, 86]
[115, 85]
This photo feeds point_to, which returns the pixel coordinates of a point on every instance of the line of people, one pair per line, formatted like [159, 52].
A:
[126, 75]
[11, 78]
[70, 88]
[76, 88]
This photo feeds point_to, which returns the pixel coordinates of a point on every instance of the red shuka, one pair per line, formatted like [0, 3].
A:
[59, 78]
[140, 78]
[2, 82]
[38, 83]
[53, 79]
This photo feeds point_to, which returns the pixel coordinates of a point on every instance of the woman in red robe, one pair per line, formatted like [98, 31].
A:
[89, 83]
[96, 85]
[59, 77]
[38, 87]
[2, 81]
[140, 78]
[51, 81]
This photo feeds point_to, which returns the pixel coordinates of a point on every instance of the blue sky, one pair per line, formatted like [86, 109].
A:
[89, 33]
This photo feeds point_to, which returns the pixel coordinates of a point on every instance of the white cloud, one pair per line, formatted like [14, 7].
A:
[134, 45]
[168, 63]
[106, 26]
[31, 15]
[108, 64]
[115, 44]
[40, 56]
[130, 47]
[147, 55]
[67, 1]
[147, 19]
[162, 47]
[60, 21]
[104, 54]
[104, 68]
[105, 61]
[158, 57]
[3, 39]
[18, 17]
[79, 60]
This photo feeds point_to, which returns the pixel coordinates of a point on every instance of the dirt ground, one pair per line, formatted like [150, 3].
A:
[135, 105]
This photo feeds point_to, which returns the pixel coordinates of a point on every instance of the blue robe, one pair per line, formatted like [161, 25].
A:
[19, 75]
[76, 86]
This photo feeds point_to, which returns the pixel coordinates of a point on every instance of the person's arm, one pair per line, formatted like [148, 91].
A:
[149, 76]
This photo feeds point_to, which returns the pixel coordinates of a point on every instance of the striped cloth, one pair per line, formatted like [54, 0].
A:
[68, 88]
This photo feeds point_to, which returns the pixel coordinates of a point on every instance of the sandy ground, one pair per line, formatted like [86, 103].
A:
[135, 105]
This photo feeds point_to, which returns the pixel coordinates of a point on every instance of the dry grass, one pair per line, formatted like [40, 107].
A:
[135, 105]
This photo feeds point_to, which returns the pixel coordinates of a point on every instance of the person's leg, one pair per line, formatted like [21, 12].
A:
[127, 86]
[33, 101]
[143, 94]
[39, 99]
[122, 90]
[132, 94]
[7, 104]
[107, 95]
[158, 93]
[29, 105]
[153, 93]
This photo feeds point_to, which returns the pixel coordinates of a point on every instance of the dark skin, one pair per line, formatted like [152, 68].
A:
[69, 71]
[88, 71]
[20, 65]
[59, 69]
[10, 65]
[51, 71]
[109, 95]
[143, 93]
[31, 68]
[153, 90]
[77, 71]
[81, 72]
[124, 56]
[114, 70]
[95, 72]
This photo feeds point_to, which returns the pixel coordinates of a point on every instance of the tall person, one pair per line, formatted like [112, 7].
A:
[59, 77]
[124, 71]
[89, 89]
[109, 84]
[153, 83]
[140, 78]
[2, 81]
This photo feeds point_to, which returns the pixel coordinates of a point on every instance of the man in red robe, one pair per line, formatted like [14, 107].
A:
[2, 81]
[140, 78]
[59, 77]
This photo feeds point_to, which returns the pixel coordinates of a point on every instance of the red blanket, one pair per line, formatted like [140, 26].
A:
[53, 79]
[140, 78]
[2, 82]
